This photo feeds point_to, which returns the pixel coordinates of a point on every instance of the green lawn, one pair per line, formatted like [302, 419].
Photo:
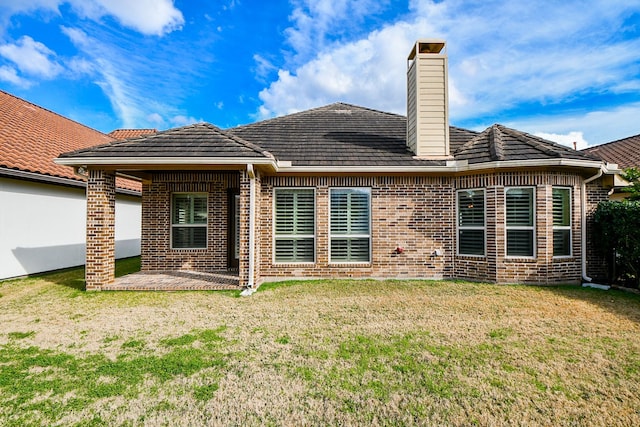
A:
[317, 353]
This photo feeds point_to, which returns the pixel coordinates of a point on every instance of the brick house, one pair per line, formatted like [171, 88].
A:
[347, 191]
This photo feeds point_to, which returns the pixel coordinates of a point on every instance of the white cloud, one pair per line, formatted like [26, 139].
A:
[155, 118]
[315, 22]
[151, 17]
[10, 74]
[181, 120]
[573, 139]
[32, 57]
[595, 127]
[502, 55]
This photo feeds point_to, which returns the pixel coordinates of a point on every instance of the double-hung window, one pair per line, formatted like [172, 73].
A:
[294, 225]
[471, 222]
[520, 220]
[350, 225]
[561, 221]
[189, 221]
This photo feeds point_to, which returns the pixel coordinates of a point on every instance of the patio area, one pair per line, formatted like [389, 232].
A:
[175, 281]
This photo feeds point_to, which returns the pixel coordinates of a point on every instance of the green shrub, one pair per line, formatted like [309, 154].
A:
[617, 232]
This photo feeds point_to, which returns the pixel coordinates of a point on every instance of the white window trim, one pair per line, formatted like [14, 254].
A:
[172, 225]
[355, 236]
[521, 227]
[290, 236]
[564, 227]
[474, 227]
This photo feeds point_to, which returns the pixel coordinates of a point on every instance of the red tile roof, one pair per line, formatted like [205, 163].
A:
[131, 133]
[625, 152]
[32, 136]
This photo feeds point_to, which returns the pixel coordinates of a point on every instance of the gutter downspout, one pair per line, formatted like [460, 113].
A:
[252, 233]
[583, 220]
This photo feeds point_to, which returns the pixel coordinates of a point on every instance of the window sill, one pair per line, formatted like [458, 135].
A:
[520, 259]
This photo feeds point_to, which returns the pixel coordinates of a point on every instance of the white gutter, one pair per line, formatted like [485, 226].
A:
[252, 233]
[450, 166]
[583, 221]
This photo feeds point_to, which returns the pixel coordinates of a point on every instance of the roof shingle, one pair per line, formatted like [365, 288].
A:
[32, 136]
[130, 133]
[198, 140]
[625, 152]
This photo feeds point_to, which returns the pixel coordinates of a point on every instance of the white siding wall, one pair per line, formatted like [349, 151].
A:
[42, 227]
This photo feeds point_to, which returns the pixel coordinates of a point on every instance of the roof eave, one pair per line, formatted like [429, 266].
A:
[160, 161]
[451, 166]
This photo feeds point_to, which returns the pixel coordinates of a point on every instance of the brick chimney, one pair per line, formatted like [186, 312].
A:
[427, 100]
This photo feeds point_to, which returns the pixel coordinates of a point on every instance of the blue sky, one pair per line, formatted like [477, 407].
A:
[567, 70]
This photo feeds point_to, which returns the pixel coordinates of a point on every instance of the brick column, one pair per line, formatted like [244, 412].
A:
[101, 227]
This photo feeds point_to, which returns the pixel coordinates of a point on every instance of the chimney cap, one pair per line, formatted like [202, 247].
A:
[427, 46]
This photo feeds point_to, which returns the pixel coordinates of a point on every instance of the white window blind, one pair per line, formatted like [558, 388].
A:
[471, 222]
[561, 222]
[294, 225]
[350, 230]
[189, 221]
[520, 221]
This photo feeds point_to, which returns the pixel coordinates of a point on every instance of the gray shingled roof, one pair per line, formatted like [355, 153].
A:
[340, 135]
[500, 143]
[199, 140]
[337, 135]
[625, 152]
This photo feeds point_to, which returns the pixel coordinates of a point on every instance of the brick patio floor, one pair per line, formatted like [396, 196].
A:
[175, 281]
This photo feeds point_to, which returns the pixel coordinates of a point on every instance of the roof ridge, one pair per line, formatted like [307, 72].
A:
[54, 113]
[311, 110]
[242, 141]
[472, 141]
[496, 144]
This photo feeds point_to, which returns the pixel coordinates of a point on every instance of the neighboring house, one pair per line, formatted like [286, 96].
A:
[346, 191]
[42, 204]
[625, 152]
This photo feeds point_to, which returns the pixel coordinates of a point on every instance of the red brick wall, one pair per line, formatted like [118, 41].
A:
[101, 226]
[403, 213]
[418, 213]
[415, 212]
[157, 254]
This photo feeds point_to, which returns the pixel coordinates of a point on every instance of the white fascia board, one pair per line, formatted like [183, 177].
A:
[450, 167]
[124, 161]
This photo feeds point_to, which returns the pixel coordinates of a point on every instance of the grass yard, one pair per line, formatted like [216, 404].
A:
[318, 353]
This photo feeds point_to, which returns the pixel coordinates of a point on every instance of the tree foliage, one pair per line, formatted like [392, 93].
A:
[617, 232]
[633, 176]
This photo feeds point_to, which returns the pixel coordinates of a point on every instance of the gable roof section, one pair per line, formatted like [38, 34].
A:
[339, 134]
[625, 152]
[197, 141]
[500, 143]
[130, 133]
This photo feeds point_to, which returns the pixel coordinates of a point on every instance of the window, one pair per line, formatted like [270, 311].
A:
[350, 225]
[471, 222]
[561, 222]
[189, 221]
[294, 224]
[520, 222]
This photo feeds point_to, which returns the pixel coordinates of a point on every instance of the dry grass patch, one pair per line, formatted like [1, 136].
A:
[324, 352]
